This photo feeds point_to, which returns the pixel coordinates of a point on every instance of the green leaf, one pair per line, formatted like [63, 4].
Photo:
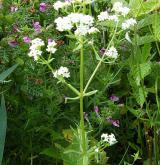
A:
[91, 93]
[137, 113]
[156, 26]
[140, 95]
[140, 71]
[135, 5]
[6, 73]
[150, 5]
[73, 155]
[145, 39]
[3, 126]
[139, 7]
[148, 20]
[51, 152]
[136, 156]
[77, 48]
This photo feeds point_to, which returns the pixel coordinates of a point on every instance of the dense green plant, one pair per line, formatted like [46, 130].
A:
[40, 111]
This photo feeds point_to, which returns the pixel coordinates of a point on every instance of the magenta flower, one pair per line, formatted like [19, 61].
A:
[96, 109]
[114, 122]
[37, 26]
[15, 28]
[13, 43]
[42, 7]
[114, 98]
[102, 51]
[50, 40]
[27, 40]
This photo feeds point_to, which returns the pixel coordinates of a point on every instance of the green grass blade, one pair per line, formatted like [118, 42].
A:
[6, 73]
[3, 126]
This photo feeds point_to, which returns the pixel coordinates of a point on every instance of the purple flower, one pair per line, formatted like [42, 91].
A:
[42, 7]
[96, 109]
[102, 51]
[27, 40]
[13, 43]
[50, 40]
[13, 8]
[37, 26]
[114, 122]
[15, 28]
[114, 98]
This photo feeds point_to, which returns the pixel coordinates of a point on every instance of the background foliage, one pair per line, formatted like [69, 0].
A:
[39, 121]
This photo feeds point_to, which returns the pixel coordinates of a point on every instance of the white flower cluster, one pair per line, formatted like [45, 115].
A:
[59, 5]
[119, 10]
[35, 48]
[51, 47]
[84, 23]
[128, 23]
[105, 16]
[109, 138]
[61, 72]
[111, 53]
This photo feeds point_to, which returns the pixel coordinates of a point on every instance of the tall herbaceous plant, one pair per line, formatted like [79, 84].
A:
[78, 23]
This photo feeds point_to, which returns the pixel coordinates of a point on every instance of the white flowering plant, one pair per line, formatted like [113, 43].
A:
[90, 62]
[80, 26]
[84, 29]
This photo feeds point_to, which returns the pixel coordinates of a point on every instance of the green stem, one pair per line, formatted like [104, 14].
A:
[68, 85]
[81, 101]
[155, 140]
[72, 88]
[156, 91]
[100, 62]
[84, 7]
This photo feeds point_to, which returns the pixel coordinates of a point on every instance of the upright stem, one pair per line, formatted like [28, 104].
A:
[81, 100]
[101, 60]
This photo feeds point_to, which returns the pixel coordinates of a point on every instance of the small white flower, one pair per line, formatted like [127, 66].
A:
[37, 42]
[81, 30]
[87, 20]
[58, 5]
[35, 54]
[75, 17]
[117, 6]
[103, 16]
[97, 150]
[127, 37]
[125, 11]
[113, 18]
[120, 9]
[62, 71]
[51, 47]
[93, 30]
[35, 48]
[111, 52]
[128, 23]
[109, 138]
[63, 23]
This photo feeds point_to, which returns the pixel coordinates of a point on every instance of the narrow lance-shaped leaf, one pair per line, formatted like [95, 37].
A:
[6, 73]
[3, 126]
